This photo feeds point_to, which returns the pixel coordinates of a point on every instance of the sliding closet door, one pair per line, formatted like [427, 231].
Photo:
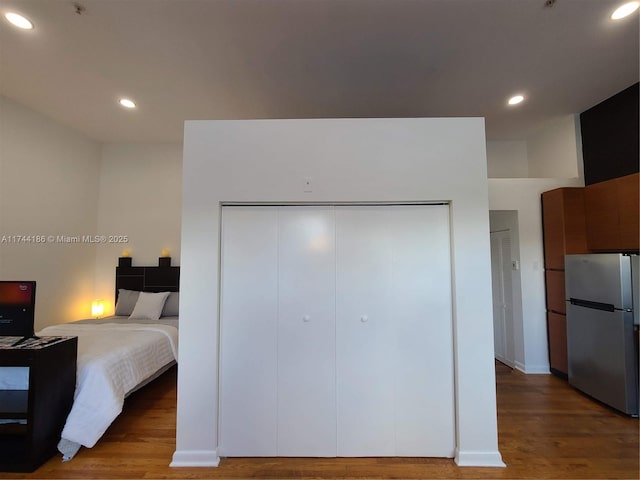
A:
[306, 332]
[336, 331]
[422, 313]
[249, 331]
[394, 331]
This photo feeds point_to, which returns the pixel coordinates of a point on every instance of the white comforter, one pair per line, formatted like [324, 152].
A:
[112, 360]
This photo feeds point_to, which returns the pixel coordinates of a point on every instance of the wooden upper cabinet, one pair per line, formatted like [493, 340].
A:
[563, 219]
[629, 210]
[612, 214]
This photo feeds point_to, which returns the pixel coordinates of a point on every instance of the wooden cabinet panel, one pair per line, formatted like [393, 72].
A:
[557, 329]
[553, 224]
[555, 291]
[564, 225]
[612, 211]
[628, 189]
[602, 216]
[564, 222]
[575, 231]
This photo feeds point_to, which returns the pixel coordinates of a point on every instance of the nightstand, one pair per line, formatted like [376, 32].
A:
[37, 383]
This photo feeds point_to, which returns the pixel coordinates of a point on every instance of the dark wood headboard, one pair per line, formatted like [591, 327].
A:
[148, 279]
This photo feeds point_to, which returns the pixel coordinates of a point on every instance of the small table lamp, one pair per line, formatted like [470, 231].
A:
[97, 308]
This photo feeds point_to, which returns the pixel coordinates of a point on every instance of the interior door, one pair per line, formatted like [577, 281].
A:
[502, 288]
[395, 393]
[249, 331]
[364, 333]
[306, 332]
[422, 312]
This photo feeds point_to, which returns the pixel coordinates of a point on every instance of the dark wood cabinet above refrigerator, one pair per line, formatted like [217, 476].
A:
[612, 214]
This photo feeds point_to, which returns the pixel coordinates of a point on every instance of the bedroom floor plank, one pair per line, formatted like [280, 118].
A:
[546, 430]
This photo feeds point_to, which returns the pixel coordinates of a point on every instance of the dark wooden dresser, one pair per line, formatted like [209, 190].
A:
[37, 383]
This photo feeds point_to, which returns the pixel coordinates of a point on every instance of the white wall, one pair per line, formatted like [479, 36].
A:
[348, 160]
[507, 159]
[140, 198]
[554, 151]
[48, 186]
[55, 181]
[523, 195]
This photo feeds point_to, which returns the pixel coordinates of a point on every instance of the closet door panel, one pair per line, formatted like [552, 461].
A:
[365, 369]
[248, 330]
[422, 314]
[306, 332]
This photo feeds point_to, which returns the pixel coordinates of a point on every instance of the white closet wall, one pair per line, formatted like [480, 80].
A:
[336, 331]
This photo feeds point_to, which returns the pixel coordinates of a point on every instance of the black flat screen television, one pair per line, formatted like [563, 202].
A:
[17, 308]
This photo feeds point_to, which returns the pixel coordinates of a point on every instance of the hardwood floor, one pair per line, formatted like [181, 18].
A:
[546, 430]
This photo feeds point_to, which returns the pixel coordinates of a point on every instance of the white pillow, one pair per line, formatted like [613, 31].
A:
[149, 305]
[126, 302]
[171, 305]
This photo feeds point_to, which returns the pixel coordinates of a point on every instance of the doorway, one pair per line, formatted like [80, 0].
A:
[507, 296]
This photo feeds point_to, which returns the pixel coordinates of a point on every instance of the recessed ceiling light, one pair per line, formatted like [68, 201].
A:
[625, 10]
[126, 103]
[18, 20]
[516, 99]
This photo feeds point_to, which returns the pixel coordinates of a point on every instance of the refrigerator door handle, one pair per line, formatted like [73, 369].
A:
[607, 307]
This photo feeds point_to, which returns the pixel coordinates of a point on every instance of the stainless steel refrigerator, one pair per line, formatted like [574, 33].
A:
[602, 323]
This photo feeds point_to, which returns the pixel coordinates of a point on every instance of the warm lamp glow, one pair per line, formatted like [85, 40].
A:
[97, 308]
[125, 253]
[165, 252]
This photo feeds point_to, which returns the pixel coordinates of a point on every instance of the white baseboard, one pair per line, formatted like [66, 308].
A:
[501, 359]
[195, 458]
[520, 366]
[478, 459]
[210, 458]
[533, 370]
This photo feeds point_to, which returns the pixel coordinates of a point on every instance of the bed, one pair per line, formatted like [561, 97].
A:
[119, 354]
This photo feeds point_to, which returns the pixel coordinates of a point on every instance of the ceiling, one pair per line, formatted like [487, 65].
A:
[247, 59]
